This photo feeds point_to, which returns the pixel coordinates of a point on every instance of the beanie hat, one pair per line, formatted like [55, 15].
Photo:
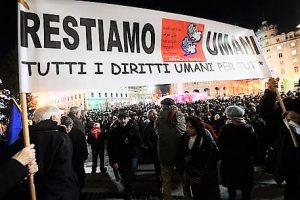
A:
[234, 111]
[167, 102]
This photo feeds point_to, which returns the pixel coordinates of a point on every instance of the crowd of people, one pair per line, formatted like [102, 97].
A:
[207, 143]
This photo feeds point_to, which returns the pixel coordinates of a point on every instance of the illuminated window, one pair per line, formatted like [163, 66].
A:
[292, 44]
[282, 71]
[280, 55]
[279, 47]
[294, 52]
[295, 60]
[296, 69]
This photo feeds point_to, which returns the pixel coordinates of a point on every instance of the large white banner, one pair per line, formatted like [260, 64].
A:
[78, 45]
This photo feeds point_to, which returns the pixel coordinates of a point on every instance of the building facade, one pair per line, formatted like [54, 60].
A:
[102, 100]
[282, 53]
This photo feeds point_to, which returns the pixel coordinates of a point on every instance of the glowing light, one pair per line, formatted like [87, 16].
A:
[151, 88]
[42, 100]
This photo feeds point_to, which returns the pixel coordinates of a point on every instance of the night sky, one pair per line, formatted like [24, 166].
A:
[248, 14]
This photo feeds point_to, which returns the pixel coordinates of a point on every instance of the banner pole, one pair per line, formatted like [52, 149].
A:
[284, 110]
[27, 139]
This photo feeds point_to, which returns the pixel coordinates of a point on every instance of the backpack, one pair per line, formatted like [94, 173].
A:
[96, 132]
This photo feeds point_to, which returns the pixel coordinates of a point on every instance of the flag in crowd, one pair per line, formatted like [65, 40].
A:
[14, 125]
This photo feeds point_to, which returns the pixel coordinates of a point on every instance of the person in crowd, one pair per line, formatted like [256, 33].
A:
[124, 145]
[287, 161]
[80, 151]
[14, 170]
[201, 155]
[150, 138]
[114, 121]
[170, 127]
[56, 178]
[3, 139]
[96, 139]
[105, 126]
[75, 114]
[86, 121]
[237, 144]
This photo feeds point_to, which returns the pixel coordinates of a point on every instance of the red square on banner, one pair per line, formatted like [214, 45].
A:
[181, 41]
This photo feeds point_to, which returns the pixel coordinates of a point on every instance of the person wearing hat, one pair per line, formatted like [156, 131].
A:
[123, 147]
[170, 127]
[237, 144]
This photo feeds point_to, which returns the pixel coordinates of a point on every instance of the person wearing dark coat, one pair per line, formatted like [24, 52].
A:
[124, 143]
[150, 138]
[56, 179]
[96, 138]
[14, 170]
[237, 144]
[75, 114]
[201, 156]
[287, 157]
[80, 151]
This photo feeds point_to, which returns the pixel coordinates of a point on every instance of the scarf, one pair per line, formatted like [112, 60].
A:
[235, 120]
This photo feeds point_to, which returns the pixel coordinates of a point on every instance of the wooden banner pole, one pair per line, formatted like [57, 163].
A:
[27, 139]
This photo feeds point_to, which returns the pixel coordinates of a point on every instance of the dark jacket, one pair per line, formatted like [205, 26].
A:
[201, 162]
[80, 153]
[12, 172]
[124, 143]
[237, 144]
[56, 179]
[287, 163]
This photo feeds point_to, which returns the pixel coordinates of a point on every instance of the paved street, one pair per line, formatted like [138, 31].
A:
[105, 185]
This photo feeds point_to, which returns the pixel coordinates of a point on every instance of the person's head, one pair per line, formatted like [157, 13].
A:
[234, 112]
[67, 122]
[84, 113]
[152, 114]
[47, 113]
[76, 111]
[96, 125]
[194, 126]
[123, 117]
[114, 118]
[167, 103]
[216, 117]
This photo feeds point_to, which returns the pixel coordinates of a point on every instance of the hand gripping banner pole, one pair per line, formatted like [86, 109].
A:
[26, 139]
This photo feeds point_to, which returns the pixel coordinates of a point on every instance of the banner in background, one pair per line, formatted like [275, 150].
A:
[77, 45]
